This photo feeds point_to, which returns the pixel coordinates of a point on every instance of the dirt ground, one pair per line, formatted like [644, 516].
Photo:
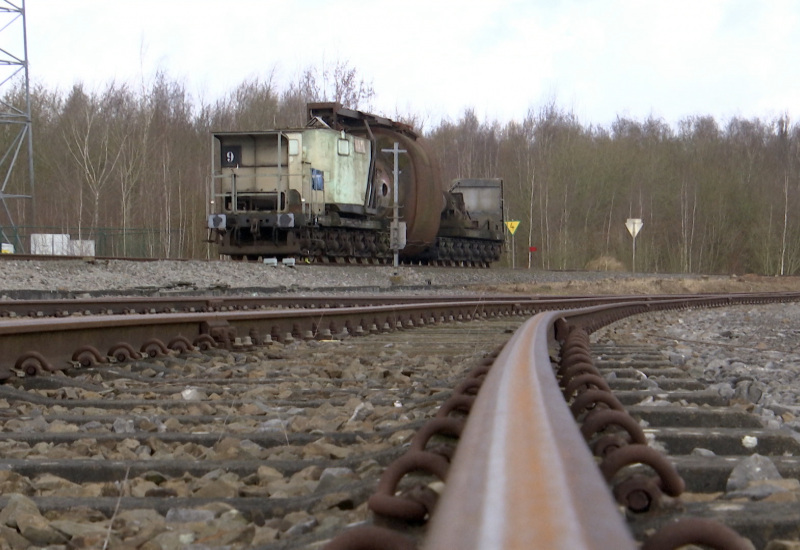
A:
[655, 285]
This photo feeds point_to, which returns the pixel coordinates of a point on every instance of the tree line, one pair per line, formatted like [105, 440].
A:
[134, 161]
[714, 197]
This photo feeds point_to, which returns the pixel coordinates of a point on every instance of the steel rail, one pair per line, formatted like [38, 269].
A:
[54, 304]
[34, 346]
[186, 304]
[594, 317]
[125, 304]
[522, 475]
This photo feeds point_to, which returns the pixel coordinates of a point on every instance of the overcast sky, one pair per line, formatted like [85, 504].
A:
[435, 58]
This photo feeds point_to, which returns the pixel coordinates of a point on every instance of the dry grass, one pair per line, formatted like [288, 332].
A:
[605, 263]
[655, 285]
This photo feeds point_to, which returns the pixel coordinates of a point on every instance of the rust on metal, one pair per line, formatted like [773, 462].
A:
[575, 354]
[414, 507]
[576, 369]
[123, 351]
[522, 475]
[607, 444]
[57, 339]
[575, 360]
[639, 493]
[585, 382]
[671, 482]
[153, 348]
[32, 363]
[457, 402]
[437, 426]
[591, 399]
[88, 355]
[180, 343]
[600, 420]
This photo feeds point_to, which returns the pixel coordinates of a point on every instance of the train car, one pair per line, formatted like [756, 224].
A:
[326, 193]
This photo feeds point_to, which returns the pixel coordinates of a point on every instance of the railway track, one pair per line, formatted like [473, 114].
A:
[90, 331]
[280, 435]
[283, 444]
[715, 444]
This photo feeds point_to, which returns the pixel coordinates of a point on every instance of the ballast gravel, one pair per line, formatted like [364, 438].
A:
[748, 353]
[18, 277]
[114, 275]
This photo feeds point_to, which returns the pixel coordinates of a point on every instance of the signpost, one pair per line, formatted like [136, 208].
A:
[531, 250]
[512, 228]
[398, 228]
[634, 225]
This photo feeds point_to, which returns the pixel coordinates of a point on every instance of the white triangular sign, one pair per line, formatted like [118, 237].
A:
[634, 225]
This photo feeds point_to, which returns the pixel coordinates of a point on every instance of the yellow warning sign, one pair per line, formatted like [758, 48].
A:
[512, 226]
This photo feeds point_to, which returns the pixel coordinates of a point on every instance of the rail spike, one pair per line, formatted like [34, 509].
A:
[123, 351]
[457, 402]
[447, 426]
[153, 348]
[204, 342]
[639, 492]
[181, 344]
[33, 363]
[590, 400]
[416, 505]
[88, 355]
[600, 420]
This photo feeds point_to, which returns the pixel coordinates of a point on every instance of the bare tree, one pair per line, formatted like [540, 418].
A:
[89, 142]
[340, 84]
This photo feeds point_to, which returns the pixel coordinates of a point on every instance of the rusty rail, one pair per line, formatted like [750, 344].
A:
[523, 474]
[124, 305]
[36, 346]
[57, 305]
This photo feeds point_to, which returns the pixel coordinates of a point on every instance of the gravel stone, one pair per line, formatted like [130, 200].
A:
[86, 278]
[18, 506]
[38, 531]
[186, 515]
[759, 370]
[749, 353]
[753, 468]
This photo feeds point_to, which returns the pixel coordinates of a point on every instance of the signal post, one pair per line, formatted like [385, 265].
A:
[512, 228]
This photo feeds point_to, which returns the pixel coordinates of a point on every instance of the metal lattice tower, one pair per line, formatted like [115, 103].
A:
[15, 114]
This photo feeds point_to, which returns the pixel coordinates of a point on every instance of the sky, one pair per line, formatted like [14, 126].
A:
[599, 59]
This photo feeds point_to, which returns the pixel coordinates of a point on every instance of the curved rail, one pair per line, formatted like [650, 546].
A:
[523, 475]
[122, 305]
[33, 345]
[53, 306]
[519, 451]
